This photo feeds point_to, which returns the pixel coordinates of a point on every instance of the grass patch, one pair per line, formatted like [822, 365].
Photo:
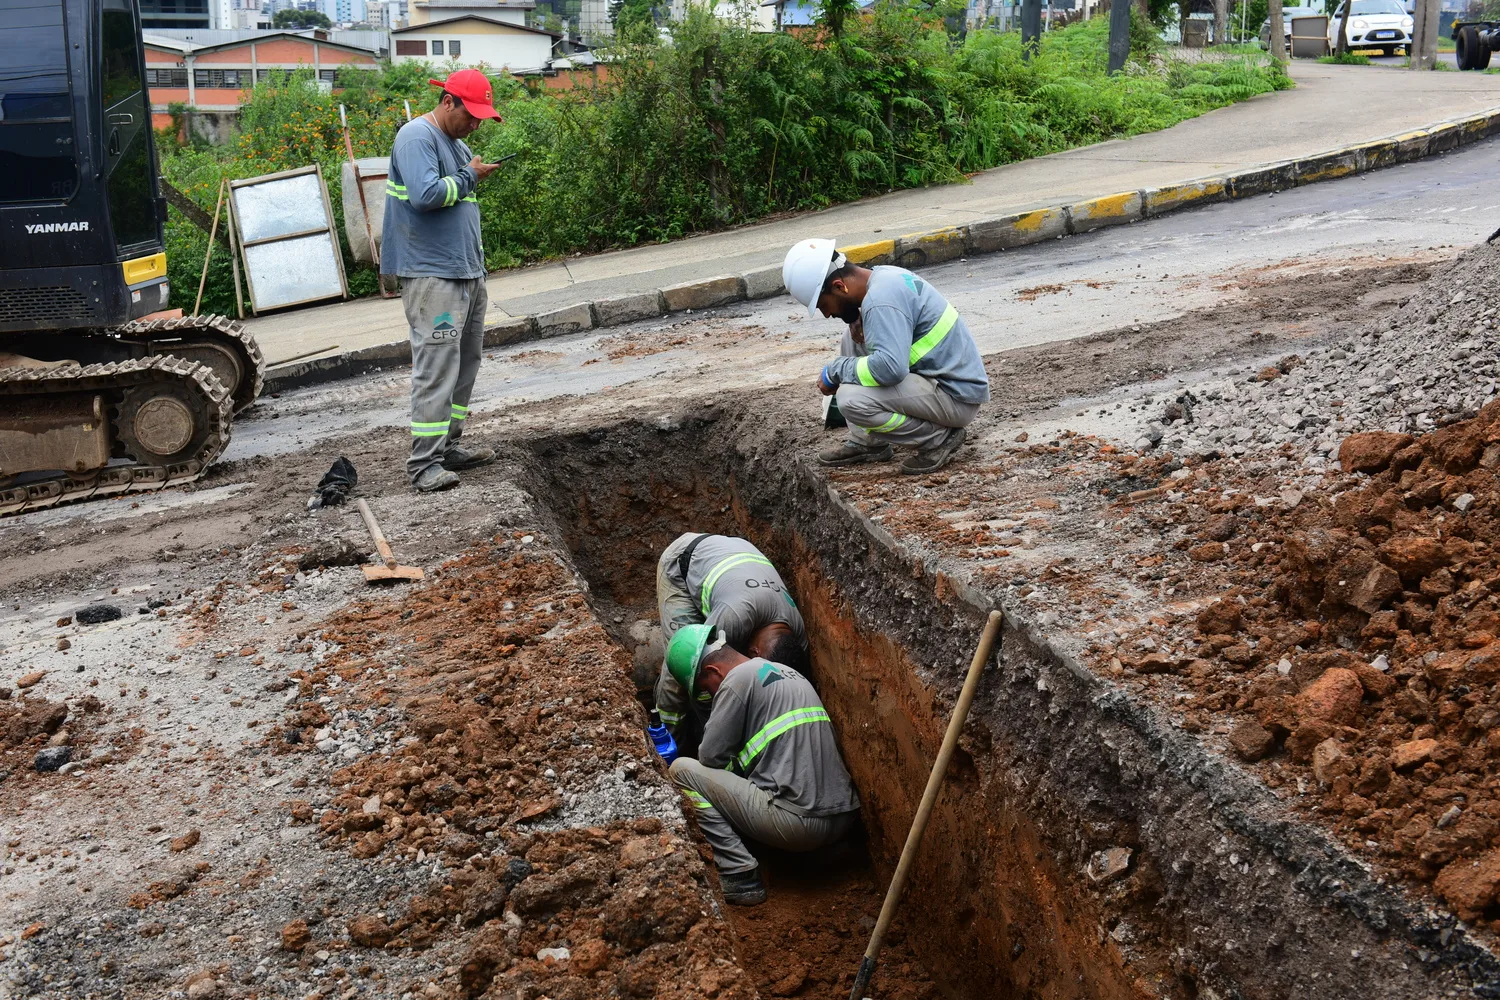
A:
[1347, 59]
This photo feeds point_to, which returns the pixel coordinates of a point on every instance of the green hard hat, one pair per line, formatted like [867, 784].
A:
[684, 652]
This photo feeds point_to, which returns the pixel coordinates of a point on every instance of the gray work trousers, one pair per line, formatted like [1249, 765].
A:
[446, 316]
[914, 412]
[728, 805]
[677, 608]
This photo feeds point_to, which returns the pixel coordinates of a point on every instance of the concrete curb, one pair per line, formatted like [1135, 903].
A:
[939, 245]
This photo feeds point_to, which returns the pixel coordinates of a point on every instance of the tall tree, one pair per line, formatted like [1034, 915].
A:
[1278, 32]
[1221, 21]
[1343, 44]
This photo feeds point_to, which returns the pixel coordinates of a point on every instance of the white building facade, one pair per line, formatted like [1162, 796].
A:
[471, 40]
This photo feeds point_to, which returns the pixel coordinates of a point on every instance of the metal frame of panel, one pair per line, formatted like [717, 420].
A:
[328, 227]
[1312, 46]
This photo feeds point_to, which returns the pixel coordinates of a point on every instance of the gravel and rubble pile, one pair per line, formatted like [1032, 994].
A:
[1432, 361]
[1354, 658]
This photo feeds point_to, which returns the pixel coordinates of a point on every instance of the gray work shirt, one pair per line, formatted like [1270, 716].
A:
[909, 327]
[738, 590]
[431, 227]
[770, 725]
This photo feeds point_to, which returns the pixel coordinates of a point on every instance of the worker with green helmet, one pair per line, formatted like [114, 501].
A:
[728, 583]
[768, 767]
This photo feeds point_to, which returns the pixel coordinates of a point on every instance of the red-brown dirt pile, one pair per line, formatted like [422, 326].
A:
[515, 693]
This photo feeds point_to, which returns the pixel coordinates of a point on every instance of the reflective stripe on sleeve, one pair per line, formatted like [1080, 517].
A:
[774, 728]
[935, 336]
[862, 369]
[670, 718]
[725, 566]
[394, 190]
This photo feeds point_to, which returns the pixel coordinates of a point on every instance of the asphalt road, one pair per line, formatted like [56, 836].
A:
[1139, 273]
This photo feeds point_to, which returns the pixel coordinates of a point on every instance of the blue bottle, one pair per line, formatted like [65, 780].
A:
[661, 738]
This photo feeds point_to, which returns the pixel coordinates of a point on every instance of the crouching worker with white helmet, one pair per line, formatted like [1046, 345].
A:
[768, 767]
[908, 371]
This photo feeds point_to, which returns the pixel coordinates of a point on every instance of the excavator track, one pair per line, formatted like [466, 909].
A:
[219, 332]
[192, 387]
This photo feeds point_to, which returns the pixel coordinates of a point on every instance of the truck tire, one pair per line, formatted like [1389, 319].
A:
[1470, 52]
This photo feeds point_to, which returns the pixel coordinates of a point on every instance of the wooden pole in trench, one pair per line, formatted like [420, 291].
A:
[929, 799]
[213, 234]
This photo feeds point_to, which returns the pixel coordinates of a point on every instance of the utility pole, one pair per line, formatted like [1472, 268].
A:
[1119, 34]
[1031, 27]
[1423, 50]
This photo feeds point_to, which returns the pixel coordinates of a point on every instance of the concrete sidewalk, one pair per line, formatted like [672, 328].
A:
[1332, 107]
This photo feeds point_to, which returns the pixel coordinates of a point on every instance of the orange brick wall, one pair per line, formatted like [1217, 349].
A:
[239, 55]
[338, 57]
[287, 51]
[567, 79]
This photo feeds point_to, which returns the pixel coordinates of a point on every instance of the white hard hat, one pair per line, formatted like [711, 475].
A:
[807, 266]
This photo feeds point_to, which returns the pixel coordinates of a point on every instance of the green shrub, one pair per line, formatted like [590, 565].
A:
[723, 125]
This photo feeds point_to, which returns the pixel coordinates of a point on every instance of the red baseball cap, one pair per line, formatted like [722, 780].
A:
[473, 88]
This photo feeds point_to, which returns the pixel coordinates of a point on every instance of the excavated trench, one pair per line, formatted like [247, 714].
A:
[1083, 846]
[988, 913]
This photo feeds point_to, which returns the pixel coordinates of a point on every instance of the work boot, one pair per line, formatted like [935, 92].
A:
[934, 458]
[434, 478]
[850, 453]
[459, 458]
[743, 888]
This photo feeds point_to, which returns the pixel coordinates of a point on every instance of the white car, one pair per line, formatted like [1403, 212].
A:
[1373, 24]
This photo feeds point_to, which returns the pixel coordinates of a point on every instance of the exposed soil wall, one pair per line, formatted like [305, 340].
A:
[1083, 846]
[987, 922]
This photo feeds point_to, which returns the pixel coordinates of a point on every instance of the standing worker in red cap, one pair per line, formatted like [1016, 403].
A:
[431, 240]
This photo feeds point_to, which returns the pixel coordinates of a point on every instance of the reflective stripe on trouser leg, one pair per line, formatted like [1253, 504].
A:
[470, 353]
[738, 807]
[914, 412]
[447, 333]
[730, 853]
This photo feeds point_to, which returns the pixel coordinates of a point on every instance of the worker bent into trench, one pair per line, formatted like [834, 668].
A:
[768, 767]
[728, 583]
[908, 372]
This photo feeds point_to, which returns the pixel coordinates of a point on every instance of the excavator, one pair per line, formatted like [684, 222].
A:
[102, 390]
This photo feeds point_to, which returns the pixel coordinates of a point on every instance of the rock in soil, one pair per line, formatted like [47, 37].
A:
[52, 758]
[96, 614]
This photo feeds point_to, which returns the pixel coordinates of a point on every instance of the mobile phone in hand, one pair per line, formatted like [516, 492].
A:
[504, 158]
